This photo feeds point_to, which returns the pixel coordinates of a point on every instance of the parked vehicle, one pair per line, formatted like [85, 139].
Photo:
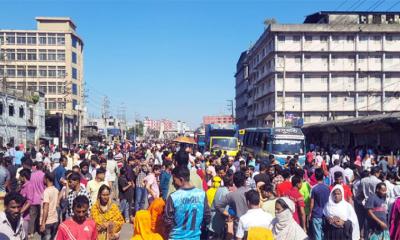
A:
[222, 137]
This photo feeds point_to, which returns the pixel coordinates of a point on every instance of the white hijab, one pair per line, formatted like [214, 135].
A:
[284, 227]
[342, 210]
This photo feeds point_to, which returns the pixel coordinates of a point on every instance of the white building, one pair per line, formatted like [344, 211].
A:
[333, 66]
[22, 118]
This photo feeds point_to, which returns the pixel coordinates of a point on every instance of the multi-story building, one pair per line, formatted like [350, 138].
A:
[50, 60]
[335, 65]
[222, 119]
[241, 87]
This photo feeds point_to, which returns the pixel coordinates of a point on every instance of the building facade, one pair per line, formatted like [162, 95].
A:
[335, 65]
[222, 119]
[22, 118]
[50, 60]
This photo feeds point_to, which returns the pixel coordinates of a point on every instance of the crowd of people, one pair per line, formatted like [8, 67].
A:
[172, 191]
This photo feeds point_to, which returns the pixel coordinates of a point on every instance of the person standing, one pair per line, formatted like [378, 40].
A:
[395, 220]
[4, 181]
[49, 216]
[165, 177]
[140, 191]
[79, 227]
[37, 185]
[377, 206]
[255, 216]
[285, 186]
[294, 195]
[11, 222]
[112, 170]
[75, 189]
[126, 190]
[59, 172]
[335, 168]
[94, 185]
[319, 198]
[235, 200]
[151, 184]
[19, 154]
[268, 193]
[186, 211]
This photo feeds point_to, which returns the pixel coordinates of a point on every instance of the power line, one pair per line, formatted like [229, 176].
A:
[340, 5]
[394, 5]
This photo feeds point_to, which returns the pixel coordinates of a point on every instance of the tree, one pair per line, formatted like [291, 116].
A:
[139, 126]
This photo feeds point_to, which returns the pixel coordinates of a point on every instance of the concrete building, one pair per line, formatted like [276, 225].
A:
[222, 119]
[241, 95]
[22, 118]
[335, 65]
[48, 59]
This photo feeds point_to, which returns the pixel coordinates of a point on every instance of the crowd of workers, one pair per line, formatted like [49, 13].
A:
[172, 191]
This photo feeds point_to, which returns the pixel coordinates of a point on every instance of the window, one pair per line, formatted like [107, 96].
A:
[21, 54]
[74, 73]
[10, 37]
[42, 71]
[32, 86]
[1, 108]
[2, 72]
[32, 54]
[43, 87]
[21, 39]
[74, 57]
[21, 112]
[74, 104]
[60, 88]
[74, 89]
[52, 104]
[389, 38]
[60, 39]
[10, 54]
[31, 39]
[11, 110]
[363, 38]
[52, 88]
[11, 71]
[307, 99]
[377, 38]
[350, 38]
[42, 39]
[51, 55]
[308, 38]
[296, 38]
[323, 38]
[32, 71]
[61, 103]
[324, 100]
[281, 38]
[52, 73]
[335, 38]
[42, 55]
[61, 72]
[51, 39]
[297, 59]
[21, 71]
[74, 41]
[61, 55]
[334, 99]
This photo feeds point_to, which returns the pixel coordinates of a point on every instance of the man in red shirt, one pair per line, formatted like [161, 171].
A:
[79, 227]
[293, 194]
[283, 188]
[348, 195]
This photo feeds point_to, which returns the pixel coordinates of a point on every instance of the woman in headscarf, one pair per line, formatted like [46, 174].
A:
[142, 227]
[156, 210]
[107, 216]
[283, 226]
[340, 219]
[216, 183]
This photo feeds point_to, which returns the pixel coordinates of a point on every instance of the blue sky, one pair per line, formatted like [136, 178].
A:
[168, 59]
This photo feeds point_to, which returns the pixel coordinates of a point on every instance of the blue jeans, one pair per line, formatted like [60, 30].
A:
[140, 198]
[316, 228]
[124, 208]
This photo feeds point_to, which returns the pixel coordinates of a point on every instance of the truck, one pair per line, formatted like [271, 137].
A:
[222, 137]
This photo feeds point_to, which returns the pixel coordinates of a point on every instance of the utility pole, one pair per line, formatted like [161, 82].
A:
[230, 106]
[67, 93]
[105, 113]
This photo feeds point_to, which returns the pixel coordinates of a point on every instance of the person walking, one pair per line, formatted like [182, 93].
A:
[48, 213]
[377, 206]
[79, 227]
[11, 222]
[187, 210]
[94, 185]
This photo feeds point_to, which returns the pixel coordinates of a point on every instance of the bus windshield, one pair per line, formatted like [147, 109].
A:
[287, 146]
[224, 143]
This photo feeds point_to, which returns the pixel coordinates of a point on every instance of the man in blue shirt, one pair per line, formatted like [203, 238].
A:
[18, 155]
[164, 179]
[59, 173]
[319, 198]
[186, 211]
